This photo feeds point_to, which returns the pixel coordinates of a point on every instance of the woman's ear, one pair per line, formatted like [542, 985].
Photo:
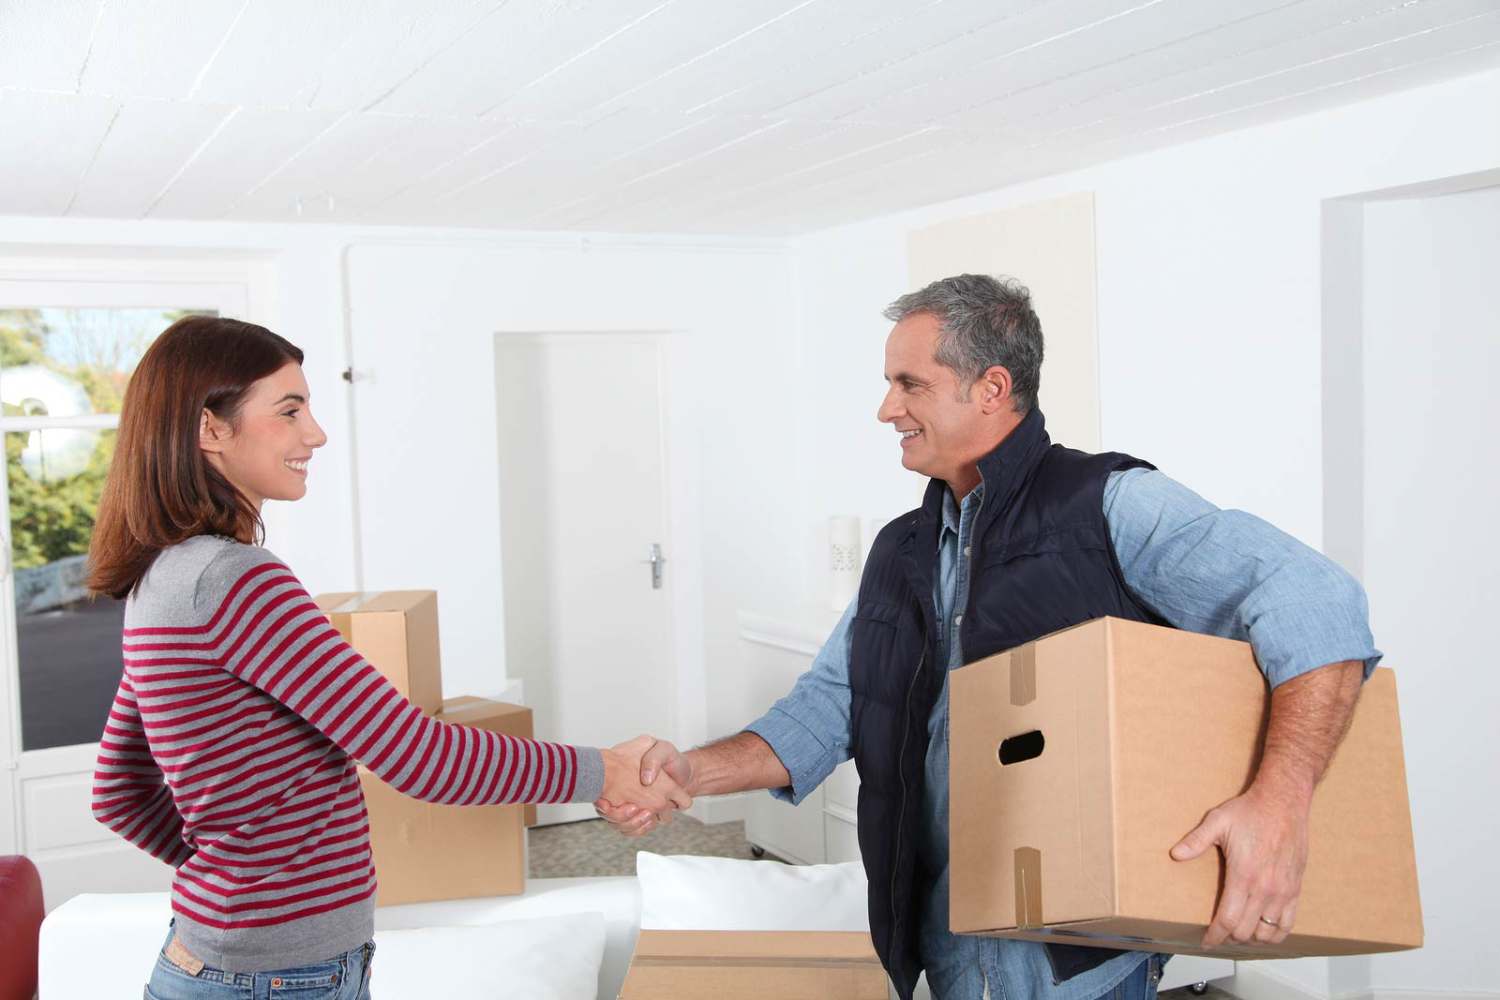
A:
[213, 433]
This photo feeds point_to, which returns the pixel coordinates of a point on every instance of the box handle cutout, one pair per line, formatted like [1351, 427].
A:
[1027, 746]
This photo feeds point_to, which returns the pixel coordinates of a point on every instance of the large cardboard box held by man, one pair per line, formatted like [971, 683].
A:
[397, 632]
[1079, 760]
[753, 965]
[427, 852]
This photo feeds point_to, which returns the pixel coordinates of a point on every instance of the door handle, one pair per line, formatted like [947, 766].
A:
[656, 561]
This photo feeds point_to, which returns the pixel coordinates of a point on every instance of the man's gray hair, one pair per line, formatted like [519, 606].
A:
[984, 322]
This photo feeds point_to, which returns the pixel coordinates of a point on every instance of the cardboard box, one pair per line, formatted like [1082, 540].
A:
[1142, 730]
[753, 965]
[428, 852]
[397, 631]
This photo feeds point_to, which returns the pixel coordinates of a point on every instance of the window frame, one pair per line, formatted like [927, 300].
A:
[37, 786]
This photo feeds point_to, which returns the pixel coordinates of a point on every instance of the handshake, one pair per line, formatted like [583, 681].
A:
[645, 781]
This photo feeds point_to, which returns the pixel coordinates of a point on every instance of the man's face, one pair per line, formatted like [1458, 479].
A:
[942, 430]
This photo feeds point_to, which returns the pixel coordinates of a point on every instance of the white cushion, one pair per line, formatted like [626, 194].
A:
[102, 946]
[721, 894]
[619, 899]
[546, 958]
[122, 932]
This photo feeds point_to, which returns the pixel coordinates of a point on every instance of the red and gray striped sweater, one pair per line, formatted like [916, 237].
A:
[230, 754]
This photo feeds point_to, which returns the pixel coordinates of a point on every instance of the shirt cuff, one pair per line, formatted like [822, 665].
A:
[590, 783]
[1295, 640]
[803, 755]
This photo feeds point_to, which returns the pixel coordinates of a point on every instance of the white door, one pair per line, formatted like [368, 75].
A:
[582, 513]
[1431, 555]
[68, 344]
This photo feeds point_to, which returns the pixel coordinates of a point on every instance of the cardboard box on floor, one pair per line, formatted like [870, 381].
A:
[427, 852]
[752, 965]
[1142, 731]
[397, 631]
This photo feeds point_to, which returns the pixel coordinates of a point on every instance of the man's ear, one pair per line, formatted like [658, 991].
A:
[213, 433]
[994, 389]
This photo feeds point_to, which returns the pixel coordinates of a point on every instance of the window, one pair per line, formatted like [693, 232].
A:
[72, 329]
[63, 373]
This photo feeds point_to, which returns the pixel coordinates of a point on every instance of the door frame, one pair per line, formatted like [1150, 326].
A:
[680, 462]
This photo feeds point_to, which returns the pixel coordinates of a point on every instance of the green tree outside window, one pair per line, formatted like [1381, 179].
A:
[53, 518]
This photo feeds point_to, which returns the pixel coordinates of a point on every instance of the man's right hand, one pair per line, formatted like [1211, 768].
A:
[660, 757]
[625, 785]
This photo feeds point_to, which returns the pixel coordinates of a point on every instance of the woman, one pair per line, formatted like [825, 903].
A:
[230, 749]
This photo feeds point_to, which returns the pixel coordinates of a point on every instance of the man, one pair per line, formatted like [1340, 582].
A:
[1017, 538]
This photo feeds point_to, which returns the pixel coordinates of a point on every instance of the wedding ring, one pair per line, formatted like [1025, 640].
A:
[1269, 922]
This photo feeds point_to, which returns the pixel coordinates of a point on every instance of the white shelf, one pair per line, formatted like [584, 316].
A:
[796, 630]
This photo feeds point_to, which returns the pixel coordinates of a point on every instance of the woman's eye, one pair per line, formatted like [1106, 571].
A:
[291, 413]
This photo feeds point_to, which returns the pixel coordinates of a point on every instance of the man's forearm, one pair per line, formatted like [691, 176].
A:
[1309, 716]
[737, 763]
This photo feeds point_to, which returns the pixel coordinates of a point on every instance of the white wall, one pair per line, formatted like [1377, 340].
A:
[1432, 552]
[427, 316]
[430, 300]
[1209, 328]
[302, 302]
[1208, 298]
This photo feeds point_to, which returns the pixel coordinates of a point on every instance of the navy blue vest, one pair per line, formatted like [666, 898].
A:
[1042, 561]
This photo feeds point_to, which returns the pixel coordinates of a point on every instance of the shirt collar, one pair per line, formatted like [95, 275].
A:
[952, 510]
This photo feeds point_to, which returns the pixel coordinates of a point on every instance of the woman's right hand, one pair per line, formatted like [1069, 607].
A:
[622, 782]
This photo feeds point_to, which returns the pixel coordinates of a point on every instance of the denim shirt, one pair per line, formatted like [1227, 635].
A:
[1203, 569]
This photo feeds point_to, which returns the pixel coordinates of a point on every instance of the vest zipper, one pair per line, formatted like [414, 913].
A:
[901, 774]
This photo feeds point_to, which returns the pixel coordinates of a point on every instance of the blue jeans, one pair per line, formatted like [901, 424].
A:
[1140, 984]
[343, 977]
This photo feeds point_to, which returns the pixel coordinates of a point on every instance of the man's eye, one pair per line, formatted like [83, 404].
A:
[291, 413]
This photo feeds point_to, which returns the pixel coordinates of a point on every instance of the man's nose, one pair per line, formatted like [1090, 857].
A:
[890, 409]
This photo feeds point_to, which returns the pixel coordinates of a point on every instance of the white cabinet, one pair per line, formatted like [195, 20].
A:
[840, 797]
[822, 829]
[776, 651]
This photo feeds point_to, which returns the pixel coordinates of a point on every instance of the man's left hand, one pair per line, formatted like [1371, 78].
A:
[1263, 835]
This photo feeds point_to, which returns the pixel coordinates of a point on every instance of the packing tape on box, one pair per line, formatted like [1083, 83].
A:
[339, 614]
[352, 604]
[1028, 888]
[1023, 675]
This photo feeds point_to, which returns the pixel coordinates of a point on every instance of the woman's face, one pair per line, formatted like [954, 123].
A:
[265, 455]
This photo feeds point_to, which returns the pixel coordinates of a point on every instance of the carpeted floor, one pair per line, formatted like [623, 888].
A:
[574, 850]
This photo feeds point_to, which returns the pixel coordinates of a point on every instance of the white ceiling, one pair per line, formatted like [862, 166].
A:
[722, 116]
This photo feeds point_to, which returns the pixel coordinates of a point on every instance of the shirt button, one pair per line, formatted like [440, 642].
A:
[967, 550]
[958, 619]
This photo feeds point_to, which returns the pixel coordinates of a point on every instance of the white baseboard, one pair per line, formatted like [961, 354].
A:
[721, 808]
[1252, 983]
[1381, 994]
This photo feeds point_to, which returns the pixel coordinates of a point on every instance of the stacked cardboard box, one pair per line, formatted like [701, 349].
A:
[750, 965]
[397, 631]
[424, 851]
[1079, 760]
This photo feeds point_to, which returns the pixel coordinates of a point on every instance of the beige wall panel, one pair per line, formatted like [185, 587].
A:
[1049, 247]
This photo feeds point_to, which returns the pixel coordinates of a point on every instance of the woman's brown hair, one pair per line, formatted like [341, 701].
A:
[161, 490]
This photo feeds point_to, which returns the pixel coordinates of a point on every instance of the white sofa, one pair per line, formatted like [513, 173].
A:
[88, 941]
